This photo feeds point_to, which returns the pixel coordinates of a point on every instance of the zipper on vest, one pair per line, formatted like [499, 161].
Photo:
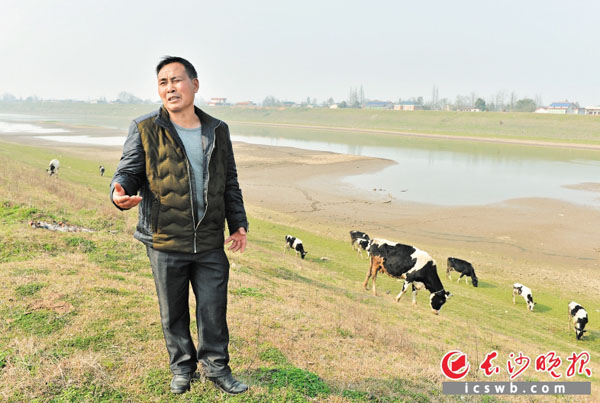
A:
[187, 164]
[205, 190]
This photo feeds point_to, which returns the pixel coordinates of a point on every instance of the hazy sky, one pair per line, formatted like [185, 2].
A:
[246, 50]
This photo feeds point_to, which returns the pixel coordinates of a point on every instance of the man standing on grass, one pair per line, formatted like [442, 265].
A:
[181, 162]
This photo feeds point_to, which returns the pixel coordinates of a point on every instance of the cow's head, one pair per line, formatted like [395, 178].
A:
[438, 299]
[475, 281]
[530, 303]
[303, 253]
[580, 326]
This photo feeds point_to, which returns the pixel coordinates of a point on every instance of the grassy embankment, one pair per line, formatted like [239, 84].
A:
[79, 318]
[80, 321]
[565, 129]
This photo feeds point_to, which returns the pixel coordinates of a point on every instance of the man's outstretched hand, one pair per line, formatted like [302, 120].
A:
[238, 240]
[123, 200]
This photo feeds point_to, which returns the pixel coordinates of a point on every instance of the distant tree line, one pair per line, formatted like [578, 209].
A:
[123, 98]
[499, 102]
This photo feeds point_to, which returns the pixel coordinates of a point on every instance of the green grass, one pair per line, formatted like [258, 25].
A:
[272, 355]
[85, 245]
[27, 290]
[304, 382]
[523, 126]
[96, 342]
[43, 322]
[246, 292]
[10, 213]
[85, 393]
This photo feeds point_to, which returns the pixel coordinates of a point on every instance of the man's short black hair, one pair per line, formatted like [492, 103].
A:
[189, 68]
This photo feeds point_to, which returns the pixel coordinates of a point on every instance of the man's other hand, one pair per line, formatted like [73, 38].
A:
[123, 200]
[238, 240]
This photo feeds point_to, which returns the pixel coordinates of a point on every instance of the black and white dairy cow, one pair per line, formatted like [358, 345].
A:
[360, 242]
[354, 235]
[414, 265]
[463, 267]
[360, 245]
[53, 167]
[295, 244]
[525, 292]
[578, 318]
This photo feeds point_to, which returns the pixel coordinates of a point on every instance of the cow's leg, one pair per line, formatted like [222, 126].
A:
[404, 288]
[448, 273]
[376, 265]
[366, 283]
[460, 277]
[467, 280]
[374, 275]
[414, 295]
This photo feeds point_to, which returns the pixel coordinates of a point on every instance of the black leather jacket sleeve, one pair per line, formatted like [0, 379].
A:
[234, 202]
[131, 171]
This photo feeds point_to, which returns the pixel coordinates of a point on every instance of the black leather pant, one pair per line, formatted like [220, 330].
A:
[208, 273]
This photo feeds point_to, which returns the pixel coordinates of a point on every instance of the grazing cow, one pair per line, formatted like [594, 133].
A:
[102, 170]
[360, 245]
[463, 267]
[525, 292]
[295, 244]
[354, 235]
[53, 167]
[414, 265]
[578, 317]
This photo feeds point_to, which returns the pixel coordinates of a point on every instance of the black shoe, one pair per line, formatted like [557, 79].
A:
[181, 383]
[228, 384]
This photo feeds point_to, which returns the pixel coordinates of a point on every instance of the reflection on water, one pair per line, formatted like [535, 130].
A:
[459, 178]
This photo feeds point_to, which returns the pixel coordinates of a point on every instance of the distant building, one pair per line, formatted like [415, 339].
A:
[408, 106]
[333, 106]
[217, 101]
[245, 103]
[561, 108]
[592, 110]
[468, 109]
[379, 105]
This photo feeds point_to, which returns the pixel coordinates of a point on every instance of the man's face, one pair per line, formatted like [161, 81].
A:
[175, 88]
